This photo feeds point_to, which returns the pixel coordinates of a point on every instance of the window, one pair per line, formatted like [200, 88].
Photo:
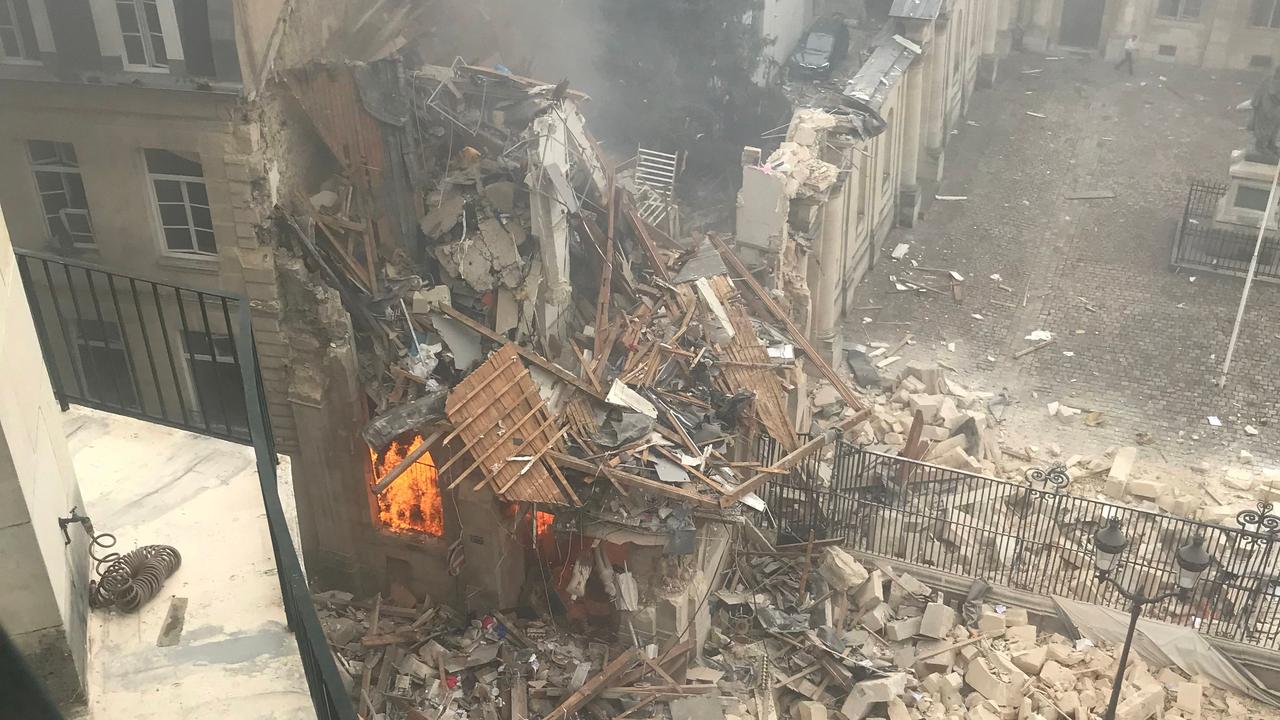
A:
[1178, 9]
[62, 198]
[1251, 198]
[17, 34]
[1260, 61]
[104, 363]
[1265, 13]
[219, 390]
[143, 38]
[1167, 50]
[177, 179]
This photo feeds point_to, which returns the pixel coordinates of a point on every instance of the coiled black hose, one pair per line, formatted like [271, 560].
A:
[131, 579]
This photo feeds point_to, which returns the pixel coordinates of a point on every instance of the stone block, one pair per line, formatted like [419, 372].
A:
[991, 624]
[1147, 489]
[1016, 616]
[1031, 661]
[869, 692]
[1121, 466]
[870, 593]
[809, 710]
[982, 678]
[877, 617]
[1141, 705]
[1189, 697]
[841, 570]
[898, 710]
[905, 588]
[934, 433]
[938, 621]
[927, 405]
[1060, 678]
[903, 629]
[1024, 635]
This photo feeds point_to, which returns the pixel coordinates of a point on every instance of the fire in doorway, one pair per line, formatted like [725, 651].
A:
[413, 503]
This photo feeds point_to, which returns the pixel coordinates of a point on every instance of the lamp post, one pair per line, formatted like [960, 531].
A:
[1109, 544]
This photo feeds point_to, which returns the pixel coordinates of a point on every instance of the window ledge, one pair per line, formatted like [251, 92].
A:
[209, 264]
[1184, 20]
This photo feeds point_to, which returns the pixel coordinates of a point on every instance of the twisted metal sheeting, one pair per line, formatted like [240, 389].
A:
[131, 579]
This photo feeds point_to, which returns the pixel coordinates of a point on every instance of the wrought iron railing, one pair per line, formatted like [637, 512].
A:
[132, 346]
[1200, 243]
[1032, 536]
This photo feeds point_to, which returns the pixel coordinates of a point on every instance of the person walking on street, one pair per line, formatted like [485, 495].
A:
[1130, 47]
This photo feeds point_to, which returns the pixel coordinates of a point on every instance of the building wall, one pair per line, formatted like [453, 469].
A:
[782, 24]
[1220, 36]
[44, 595]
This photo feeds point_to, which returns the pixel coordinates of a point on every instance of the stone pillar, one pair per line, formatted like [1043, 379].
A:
[45, 588]
[935, 101]
[909, 188]
[1228, 15]
[826, 310]
[1008, 11]
[988, 61]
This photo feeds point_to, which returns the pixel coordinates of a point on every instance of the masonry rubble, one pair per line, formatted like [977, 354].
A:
[784, 637]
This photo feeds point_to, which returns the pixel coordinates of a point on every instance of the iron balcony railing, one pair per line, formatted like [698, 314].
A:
[183, 358]
[1032, 536]
[1200, 243]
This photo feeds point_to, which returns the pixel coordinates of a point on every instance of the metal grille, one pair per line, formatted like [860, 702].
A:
[1200, 244]
[655, 180]
[1027, 536]
[128, 332]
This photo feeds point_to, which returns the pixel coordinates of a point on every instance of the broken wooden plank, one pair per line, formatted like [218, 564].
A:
[595, 685]
[1091, 195]
[1033, 348]
[627, 478]
[407, 463]
[779, 316]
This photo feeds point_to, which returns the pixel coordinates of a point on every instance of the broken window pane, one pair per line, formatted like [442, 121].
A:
[166, 162]
[62, 195]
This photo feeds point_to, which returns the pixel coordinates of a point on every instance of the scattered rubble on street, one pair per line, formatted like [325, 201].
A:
[796, 631]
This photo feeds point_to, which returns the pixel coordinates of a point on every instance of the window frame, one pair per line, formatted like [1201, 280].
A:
[1181, 14]
[61, 169]
[145, 34]
[25, 54]
[183, 180]
[1273, 23]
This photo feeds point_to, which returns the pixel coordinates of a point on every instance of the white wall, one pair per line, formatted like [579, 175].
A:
[44, 592]
[782, 22]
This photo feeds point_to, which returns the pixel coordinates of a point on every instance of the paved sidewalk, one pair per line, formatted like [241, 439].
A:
[1135, 340]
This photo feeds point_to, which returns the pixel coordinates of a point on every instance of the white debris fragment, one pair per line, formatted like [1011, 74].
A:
[1068, 353]
[900, 251]
[1191, 279]
[976, 316]
[996, 277]
[1039, 336]
[1214, 421]
[1250, 430]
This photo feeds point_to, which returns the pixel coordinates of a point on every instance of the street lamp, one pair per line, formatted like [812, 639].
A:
[1108, 544]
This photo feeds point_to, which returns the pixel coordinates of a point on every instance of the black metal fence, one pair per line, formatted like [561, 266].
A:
[1030, 536]
[1200, 243]
[132, 346]
[135, 347]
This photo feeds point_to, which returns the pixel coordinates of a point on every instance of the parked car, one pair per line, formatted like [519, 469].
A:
[824, 46]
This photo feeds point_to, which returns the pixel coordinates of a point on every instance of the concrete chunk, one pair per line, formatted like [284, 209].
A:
[991, 623]
[1121, 466]
[809, 710]
[1058, 676]
[1024, 635]
[1189, 696]
[1031, 661]
[868, 692]
[938, 621]
[1143, 705]
[1148, 489]
[903, 629]
[982, 678]
[841, 570]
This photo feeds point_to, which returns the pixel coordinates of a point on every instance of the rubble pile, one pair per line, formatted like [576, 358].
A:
[800, 631]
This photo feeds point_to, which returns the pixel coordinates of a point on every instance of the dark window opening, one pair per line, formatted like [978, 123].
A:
[1260, 61]
[193, 31]
[1265, 13]
[219, 390]
[1168, 50]
[62, 196]
[1252, 198]
[17, 34]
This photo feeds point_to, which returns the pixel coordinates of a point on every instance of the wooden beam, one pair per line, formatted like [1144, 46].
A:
[627, 478]
[529, 355]
[606, 276]
[798, 337]
[406, 463]
[646, 241]
[584, 694]
[791, 458]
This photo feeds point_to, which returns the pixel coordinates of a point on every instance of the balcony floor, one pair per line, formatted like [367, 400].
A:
[235, 658]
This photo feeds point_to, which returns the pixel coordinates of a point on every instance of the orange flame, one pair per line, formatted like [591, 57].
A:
[413, 502]
[542, 521]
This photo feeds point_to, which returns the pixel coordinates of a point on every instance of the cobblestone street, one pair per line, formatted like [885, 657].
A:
[1134, 340]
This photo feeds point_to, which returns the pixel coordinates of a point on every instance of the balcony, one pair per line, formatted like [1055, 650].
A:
[165, 423]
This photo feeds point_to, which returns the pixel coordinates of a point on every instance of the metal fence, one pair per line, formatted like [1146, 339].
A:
[135, 347]
[1200, 243]
[127, 345]
[1030, 536]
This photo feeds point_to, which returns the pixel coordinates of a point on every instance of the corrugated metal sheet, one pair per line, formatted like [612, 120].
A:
[916, 9]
